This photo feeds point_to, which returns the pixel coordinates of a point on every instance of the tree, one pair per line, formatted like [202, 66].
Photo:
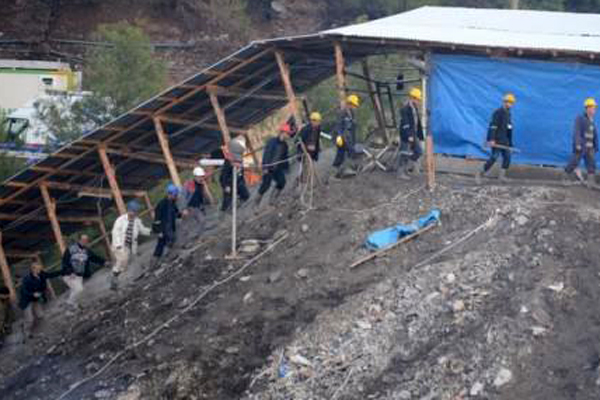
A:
[121, 74]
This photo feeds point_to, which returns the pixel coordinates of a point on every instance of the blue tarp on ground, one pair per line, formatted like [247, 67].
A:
[387, 237]
[465, 90]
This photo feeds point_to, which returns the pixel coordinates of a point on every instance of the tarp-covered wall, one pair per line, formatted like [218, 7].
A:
[465, 90]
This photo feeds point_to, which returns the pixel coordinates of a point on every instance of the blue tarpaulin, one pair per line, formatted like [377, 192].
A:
[387, 237]
[465, 90]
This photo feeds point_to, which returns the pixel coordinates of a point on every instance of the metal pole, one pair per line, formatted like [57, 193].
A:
[234, 213]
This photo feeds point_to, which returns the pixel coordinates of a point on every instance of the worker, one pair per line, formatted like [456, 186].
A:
[310, 140]
[7, 314]
[500, 138]
[34, 292]
[585, 142]
[125, 233]
[166, 215]
[76, 266]
[275, 164]
[194, 200]
[411, 135]
[234, 157]
[345, 137]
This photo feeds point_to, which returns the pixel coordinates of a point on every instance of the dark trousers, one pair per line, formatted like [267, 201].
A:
[341, 155]
[409, 147]
[276, 175]
[242, 191]
[167, 239]
[496, 152]
[589, 155]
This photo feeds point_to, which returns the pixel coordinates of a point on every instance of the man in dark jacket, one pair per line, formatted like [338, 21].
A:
[165, 222]
[345, 136]
[33, 292]
[275, 164]
[237, 149]
[76, 266]
[7, 314]
[411, 134]
[310, 139]
[500, 138]
[585, 142]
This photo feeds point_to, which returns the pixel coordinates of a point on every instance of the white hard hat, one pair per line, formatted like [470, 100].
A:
[199, 171]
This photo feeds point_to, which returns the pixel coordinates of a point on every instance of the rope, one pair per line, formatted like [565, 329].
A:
[166, 324]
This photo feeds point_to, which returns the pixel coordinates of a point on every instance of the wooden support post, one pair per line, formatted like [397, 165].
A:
[166, 149]
[214, 100]
[149, 205]
[6, 275]
[377, 108]
[284, 70]
[429, 154]
[112, 180]
[340, 73]
[51, 211]
[106, 237]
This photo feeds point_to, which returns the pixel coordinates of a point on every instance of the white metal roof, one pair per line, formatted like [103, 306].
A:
[516, 29]
[32, 64]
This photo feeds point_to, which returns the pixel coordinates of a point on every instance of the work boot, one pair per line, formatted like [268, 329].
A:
[401, 174]
[591, 181]
[155, 262]
[579, 175]
[114, 282]
[258, 200]
[274, 196]
[502, 176]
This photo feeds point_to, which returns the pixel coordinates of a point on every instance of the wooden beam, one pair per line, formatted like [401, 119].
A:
[6, 274]
[149, 205]
[166, 149]
[183, 121]
[284, 70]
[152, 158]
[80, 188]
[235, 92]
[220, 117]
[28, 236]
[76, 220]
[104, 235]
[377, 108]
[112, 180]
[51, 211]
[58, 171]
[340, 73]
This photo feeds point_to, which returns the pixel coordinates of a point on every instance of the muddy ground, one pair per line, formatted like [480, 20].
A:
[509, 313]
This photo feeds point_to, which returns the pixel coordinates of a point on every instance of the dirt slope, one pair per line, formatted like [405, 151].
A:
[508, 314]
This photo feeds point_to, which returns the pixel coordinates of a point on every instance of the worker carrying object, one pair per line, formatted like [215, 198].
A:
[345, 135]
[500, 138]
[166, 215]
[236, 150]
[411, 135]
[125, 233]
[310, 136]
[585, 142]
[275, 164]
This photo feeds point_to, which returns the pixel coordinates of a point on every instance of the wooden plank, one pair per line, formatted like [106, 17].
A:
[76, 220]
[59, 171]
[151, 158]
[149, 206]
[220, 117]
[340, 73]
[6, 274]
[377, 108]
[184, 121]
[234, 92]
[166, 149]
[80, 188]
[284, 71]
[51, 211]
[112, 180]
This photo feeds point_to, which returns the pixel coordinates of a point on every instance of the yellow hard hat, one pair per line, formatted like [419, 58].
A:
[510, 98]
[353, 100]
[339, 141]
[416, 93]
[316, 116]
[590, 102]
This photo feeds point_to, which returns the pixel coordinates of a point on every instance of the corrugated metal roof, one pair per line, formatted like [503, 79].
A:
[511, 29]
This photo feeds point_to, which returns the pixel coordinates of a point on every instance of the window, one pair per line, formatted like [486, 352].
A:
[47, 81]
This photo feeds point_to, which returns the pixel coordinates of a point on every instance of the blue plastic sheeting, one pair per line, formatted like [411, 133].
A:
[387, 237]
[465, 90]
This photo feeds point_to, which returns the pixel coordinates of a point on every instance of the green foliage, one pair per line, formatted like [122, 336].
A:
[127, 73]
[8, 165]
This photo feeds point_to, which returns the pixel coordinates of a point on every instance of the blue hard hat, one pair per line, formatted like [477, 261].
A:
[133, 206]
[172, 189]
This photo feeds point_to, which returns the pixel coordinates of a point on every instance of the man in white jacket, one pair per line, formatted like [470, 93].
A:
[125, 234]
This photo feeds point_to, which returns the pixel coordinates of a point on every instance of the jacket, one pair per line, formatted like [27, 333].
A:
[78, 259]
[501, 129]
[165, 217]
[346, 128]
[276, 152]
[30, 285]
[119, 232]
[312, 140]
[585, 133]
[410, 123]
